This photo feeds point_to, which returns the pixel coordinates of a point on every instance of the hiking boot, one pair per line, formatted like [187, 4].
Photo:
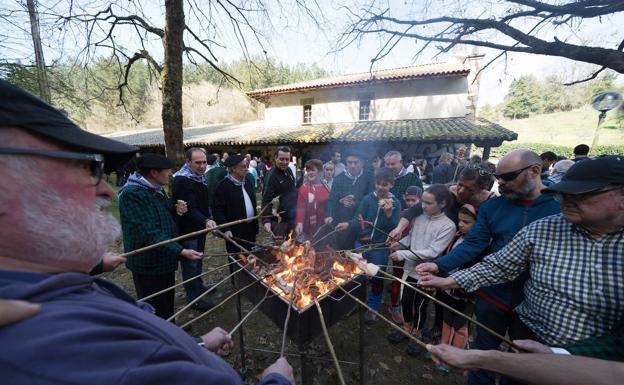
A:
[370, 318]
[396, 337]
[203, 305]
[396, 313]
[413, 349]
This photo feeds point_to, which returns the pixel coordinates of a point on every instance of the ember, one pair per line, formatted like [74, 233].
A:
[300, 274]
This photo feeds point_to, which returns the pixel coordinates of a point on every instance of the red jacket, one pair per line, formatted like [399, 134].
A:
[311, 206]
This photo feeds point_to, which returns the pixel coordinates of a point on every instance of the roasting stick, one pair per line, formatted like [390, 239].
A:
[266, 295]
[205, 294]
[356, 299]
[292, 299]
[329, 343]
[196, 233]
[185, 281]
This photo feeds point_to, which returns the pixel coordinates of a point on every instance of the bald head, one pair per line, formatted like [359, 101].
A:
[517, 159]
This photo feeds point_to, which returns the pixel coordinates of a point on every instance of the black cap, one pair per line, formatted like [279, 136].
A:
[414, 190]
[591, 175]
[154, 162]
[19, 108]
[233, 160]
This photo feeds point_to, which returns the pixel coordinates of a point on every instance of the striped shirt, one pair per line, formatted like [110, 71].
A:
[576, 284]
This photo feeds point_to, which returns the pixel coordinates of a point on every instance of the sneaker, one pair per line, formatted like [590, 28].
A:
[413, 349]
[431, 335]
[370, 318]
[396, 337]
[203, 305]
[441, 369]
[396, 313]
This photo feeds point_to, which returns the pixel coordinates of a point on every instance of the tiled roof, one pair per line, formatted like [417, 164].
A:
[387, 75]
[445, 130]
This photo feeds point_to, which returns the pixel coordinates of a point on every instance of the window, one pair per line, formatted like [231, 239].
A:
[365, 109]
[307, 113]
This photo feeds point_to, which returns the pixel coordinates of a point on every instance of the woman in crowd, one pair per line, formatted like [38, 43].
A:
[311, 199]
[328, 174]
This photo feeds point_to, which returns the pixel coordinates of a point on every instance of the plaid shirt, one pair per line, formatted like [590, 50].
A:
[146, 218]
[609, 347]
[401, 184]
[576, 285]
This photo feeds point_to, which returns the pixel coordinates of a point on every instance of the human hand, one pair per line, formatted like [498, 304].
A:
[12, 311]
[347, 201]
[299, 228]
[267, 227]
[281, 366]
[433, 282]
[218, 341]
[394, 256]
[531, 346]
[395, 234]
[329, 220]
[228, 234]
[452, 357]
[191, 254]
[210, 224]
[342, 226]
[111, 260]
[181, 207]
[427, 267]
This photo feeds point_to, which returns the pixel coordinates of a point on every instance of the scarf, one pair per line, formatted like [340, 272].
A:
[401, 173]
[186, 171]
[236, 181]
[352, 177]
[136, 179]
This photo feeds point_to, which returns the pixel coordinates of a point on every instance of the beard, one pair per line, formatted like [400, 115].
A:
[68, 233]
[521, 192]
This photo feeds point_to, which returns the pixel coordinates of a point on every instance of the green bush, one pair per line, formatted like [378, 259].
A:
[498, 152]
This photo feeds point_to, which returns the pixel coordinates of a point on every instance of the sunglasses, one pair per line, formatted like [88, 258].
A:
[94, 162]
[509, 176]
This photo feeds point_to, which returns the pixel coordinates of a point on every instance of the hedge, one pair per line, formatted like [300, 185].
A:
[498, 152]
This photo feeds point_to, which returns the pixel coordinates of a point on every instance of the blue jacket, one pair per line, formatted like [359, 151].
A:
[370, 211]
[90, 331]
[498, 221]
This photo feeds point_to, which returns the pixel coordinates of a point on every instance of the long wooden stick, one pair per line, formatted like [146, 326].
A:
[329, 343]
[290, 305]
[249, 314]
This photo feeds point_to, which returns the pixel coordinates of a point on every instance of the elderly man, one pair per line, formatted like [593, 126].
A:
[235, 198]
[147, 217]
[55, 228]
[498, 220]
[189, 186]
[280, 182]
[402, 178]
[339, 167]
[346, 195]
[574, 259]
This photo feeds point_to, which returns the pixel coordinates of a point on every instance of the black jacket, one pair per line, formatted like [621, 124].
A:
[195, 195]
[280, 183]
[229, 205]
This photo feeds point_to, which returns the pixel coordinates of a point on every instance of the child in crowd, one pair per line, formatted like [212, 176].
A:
[412, 198]
[454, 327]
[376, 216]
[428, 239]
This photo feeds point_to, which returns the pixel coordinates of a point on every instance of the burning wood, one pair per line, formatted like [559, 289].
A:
[301, 274]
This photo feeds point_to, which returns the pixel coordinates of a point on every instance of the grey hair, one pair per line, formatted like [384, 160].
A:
[393, 153]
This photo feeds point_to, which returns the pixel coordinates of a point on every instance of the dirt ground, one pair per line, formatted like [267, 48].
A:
[385, 363]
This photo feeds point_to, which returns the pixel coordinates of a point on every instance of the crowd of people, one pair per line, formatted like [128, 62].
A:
[531, 247]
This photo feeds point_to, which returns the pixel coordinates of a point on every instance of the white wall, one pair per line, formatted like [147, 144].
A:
[416, 99]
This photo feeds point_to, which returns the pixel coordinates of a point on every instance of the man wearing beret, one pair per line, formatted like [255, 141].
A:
[235, 198]
[54, 227]
[147, 217]
[574, 259]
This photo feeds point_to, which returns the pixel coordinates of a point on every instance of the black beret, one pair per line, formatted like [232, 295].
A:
[154, 162]
[233, 160]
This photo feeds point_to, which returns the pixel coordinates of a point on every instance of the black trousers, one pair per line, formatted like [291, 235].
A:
[414, 305]
[145, 285]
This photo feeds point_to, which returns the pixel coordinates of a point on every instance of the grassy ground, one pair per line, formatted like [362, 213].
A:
[566, 128]
[387, 364]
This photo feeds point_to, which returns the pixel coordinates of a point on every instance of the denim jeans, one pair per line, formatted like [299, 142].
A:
[192, 268]
[378, 257]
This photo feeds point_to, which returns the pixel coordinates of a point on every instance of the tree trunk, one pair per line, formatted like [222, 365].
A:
[42, 77]
[172, 80]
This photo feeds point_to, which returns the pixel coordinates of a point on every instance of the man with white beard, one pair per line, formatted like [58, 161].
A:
[77, 328]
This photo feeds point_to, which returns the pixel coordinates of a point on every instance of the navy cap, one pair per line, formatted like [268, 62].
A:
[414, 190]
[591, 175]
[154, 162]
[233, 160]
[19, 108]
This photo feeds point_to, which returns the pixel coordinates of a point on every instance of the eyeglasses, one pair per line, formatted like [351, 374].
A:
[509, 176]
[96, 161]
[559, 197]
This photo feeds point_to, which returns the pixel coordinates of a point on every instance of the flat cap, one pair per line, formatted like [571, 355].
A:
[233, 160]
[154, 162]
[591, 175]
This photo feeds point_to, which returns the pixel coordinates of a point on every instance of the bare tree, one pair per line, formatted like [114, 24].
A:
[527, 26]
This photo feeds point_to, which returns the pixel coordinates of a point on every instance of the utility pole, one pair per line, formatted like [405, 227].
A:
[42, 77]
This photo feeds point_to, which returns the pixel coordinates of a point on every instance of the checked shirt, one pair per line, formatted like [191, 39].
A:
[576, 283]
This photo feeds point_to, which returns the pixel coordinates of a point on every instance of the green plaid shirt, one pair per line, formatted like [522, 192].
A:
[575, 288]
[146, 218]
[608, 347]
[401, 184]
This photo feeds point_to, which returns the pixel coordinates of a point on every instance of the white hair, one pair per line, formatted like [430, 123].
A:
[393, 153]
